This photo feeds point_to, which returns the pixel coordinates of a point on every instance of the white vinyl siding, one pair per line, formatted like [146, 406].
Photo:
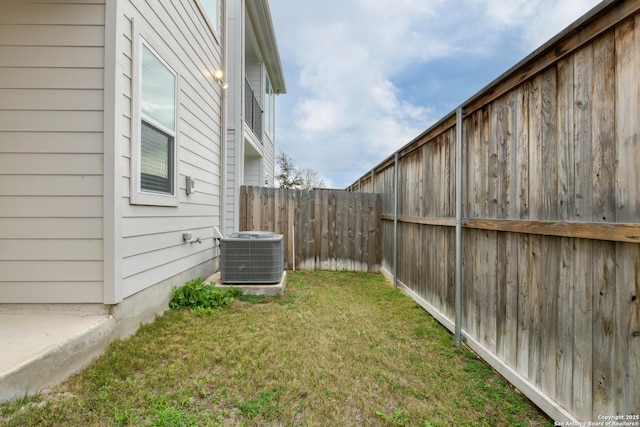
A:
[152, 246]
[51, 156]
[59, 163]
[252, 175]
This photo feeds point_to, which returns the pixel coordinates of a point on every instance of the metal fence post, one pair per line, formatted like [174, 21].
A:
[373, 177]
[395, 225]
[459, 221]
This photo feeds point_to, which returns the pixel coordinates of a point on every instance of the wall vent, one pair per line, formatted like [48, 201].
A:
[252, 257]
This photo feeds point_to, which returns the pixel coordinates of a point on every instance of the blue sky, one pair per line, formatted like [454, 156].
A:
[364, 77]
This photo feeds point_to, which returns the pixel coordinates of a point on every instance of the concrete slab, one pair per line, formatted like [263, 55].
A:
[40, 348]
[42, 344]
[252, 289]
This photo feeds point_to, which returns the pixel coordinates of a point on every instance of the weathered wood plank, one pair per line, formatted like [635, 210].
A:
[524, 304]
[500, 166]
[565, 329]
[565, 153]
[534, 309]
[627, 330]
[604, 348]
[548, 169]
[617, 232]
[586, 230]
[501, 294]
[603, 130]
[522, 151]
[290, 243]
[317, 228]
[449, 222]
[488, 282]
[550, 280]
[627, 123]
[583, 326]
[536, 169]
[582, 138]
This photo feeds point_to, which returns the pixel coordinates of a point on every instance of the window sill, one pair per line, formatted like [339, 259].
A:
[153, 199]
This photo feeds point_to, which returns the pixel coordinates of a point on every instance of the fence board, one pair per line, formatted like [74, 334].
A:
[583, 74]
[549, 286]
[582, 321]
[566, 186]
[627, 45]
[329, 229]
[549, 144]
[627, 328]
[604, 294]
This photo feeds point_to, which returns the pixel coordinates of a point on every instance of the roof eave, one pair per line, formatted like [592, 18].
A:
[260, 17]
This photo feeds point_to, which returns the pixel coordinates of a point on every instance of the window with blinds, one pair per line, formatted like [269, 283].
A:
[158, 124]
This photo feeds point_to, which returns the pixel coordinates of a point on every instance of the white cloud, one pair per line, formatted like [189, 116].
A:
[556, 17]
[343, 61]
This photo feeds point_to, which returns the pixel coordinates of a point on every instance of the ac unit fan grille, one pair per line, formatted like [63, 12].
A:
[252, 258]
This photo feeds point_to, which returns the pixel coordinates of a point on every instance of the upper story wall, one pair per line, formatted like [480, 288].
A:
[51, 151]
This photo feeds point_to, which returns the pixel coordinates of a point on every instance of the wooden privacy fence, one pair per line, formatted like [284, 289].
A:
[323, 229]
[550, 219]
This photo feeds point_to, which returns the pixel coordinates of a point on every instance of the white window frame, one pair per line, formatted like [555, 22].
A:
[215, 26]
[138, 196]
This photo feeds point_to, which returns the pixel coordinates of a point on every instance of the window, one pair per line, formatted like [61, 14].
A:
[158, 124]
[154, 153]
[211, 8]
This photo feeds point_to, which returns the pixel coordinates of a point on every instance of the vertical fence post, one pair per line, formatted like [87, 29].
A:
[373, 176]
[459, 221]
[395, 225]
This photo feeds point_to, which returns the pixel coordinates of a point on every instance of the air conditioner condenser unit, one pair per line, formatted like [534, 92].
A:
[252, 257]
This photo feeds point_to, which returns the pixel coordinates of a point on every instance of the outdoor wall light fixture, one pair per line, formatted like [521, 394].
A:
[218, 75]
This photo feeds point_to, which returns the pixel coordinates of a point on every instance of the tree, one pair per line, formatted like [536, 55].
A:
[290, 176]
[310, 179]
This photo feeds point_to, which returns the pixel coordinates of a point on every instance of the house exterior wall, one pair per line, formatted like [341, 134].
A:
[253, 74]
[71, 227]
[152, 245]
[268, 165]
[51, 151]
[252, 172]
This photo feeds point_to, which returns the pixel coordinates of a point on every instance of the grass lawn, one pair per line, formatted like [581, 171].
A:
[336, 349]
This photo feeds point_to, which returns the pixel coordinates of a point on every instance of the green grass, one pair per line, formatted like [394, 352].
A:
[336, 349]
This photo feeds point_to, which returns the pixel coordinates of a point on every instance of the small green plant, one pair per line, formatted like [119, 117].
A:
[396, 418]
[265, 405]
[201, 298]
[170, 416]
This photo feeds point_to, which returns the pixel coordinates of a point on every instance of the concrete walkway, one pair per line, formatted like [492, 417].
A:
[42, 347]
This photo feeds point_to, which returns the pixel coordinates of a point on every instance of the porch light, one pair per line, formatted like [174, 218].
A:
[218, 75]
